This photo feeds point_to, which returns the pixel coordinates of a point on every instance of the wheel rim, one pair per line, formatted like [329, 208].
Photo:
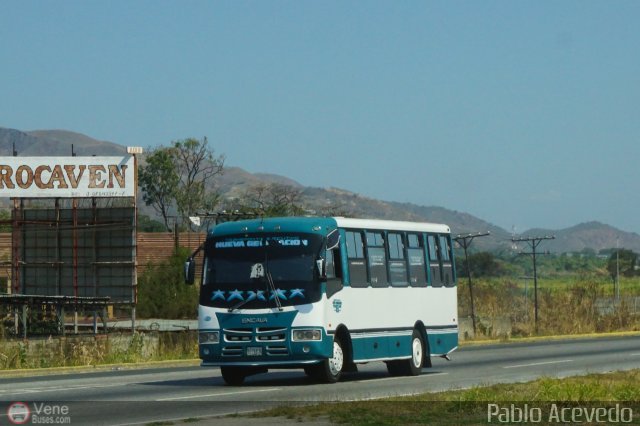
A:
[335, 363]
[417, 352]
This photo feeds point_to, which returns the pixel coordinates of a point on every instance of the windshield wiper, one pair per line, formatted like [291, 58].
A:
[239, 305]
[267, 273]
[273, 290]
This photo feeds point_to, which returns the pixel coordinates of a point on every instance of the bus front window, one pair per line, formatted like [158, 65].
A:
[289, 261]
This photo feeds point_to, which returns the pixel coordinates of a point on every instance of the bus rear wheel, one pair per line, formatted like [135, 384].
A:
[329, 370]
[413, 365]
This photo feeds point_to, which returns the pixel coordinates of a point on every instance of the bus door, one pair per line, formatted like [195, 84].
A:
[445, 257]
[355, 259]
[435, 266]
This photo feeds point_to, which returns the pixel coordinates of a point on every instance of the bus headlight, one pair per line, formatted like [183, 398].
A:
[305, 335]
[209, 337]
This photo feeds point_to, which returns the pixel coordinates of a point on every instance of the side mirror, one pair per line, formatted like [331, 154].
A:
[190, 271]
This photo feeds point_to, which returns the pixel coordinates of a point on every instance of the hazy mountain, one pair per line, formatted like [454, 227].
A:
[54, 142]
[589, 235]
[234, 181]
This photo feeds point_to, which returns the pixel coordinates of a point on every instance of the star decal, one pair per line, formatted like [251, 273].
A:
[219, 294]
[296, 292]
[280, 294]
[233, 295]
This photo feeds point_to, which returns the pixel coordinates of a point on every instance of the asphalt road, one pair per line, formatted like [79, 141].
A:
[141, 396]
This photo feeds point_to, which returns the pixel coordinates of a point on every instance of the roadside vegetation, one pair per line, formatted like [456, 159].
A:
[470, 406]
[576, 294]
[116, 348]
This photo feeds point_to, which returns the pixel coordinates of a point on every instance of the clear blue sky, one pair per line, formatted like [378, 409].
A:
[523, 113]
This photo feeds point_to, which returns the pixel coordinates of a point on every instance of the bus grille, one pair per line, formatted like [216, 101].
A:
[240, 336]
[232, 351]
[277, 350]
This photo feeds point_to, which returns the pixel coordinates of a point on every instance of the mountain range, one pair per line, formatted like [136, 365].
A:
[591, 235]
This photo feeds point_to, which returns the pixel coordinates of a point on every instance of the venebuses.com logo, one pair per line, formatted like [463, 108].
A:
[18, 413]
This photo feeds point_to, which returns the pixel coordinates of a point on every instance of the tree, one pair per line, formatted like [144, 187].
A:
[625, 261]
[271, 200]
[180, 178]
[159, 181]
[146, 224]
[162, 292]
[196, 166]
[482, 264]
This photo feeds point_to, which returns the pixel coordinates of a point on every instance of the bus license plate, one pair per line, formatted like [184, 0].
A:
[252, 351]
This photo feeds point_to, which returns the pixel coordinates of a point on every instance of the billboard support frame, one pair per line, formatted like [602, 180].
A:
[58, 304]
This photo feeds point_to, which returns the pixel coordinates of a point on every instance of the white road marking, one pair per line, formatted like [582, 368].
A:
[538, 363]
[55, 389]
[634, 355]
[218, 394]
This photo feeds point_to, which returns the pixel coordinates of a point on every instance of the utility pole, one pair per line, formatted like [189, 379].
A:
[616, 289]
[465, 241]
[534, 242]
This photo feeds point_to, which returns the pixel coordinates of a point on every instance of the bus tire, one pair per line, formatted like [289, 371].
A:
[395, 368]
[329, 370]
[413, 365]
[233, 376]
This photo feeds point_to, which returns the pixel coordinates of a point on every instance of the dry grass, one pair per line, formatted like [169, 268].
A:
[565, 307]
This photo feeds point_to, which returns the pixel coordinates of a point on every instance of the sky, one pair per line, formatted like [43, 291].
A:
[525, 114]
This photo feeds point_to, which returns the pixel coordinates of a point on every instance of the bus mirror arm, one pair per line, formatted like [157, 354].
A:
[190, 271]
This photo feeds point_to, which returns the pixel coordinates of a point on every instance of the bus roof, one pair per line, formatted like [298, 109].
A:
[317, 224]
[391, 225]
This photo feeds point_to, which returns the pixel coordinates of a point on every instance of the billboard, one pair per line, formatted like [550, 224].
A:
[82, 252]
[67, 177]
[73, 226]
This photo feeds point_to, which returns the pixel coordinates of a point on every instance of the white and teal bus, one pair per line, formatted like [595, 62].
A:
[325, 294]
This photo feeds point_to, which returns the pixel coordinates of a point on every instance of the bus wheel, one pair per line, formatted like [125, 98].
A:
[329, 370]
[413, 365]
[233, 376]
[395, 368]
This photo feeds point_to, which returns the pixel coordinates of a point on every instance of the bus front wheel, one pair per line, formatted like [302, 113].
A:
[233, 376]
[329, 370]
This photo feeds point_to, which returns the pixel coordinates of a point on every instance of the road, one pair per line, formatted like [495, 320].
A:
[141, 396]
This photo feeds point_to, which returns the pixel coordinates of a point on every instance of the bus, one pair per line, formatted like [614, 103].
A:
[325, 294]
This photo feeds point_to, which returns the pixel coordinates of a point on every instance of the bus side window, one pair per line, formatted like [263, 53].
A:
[397, 260]
[434, 261]
[415, 257]
[355, 259]
[447, 266]
[376, 259]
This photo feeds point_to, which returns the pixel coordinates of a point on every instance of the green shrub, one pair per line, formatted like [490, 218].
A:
[162, 292]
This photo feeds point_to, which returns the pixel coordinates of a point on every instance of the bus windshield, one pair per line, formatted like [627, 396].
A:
[239, 270]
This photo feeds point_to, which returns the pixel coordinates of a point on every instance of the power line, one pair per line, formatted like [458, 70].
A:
[534, 242]
[465, 242]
